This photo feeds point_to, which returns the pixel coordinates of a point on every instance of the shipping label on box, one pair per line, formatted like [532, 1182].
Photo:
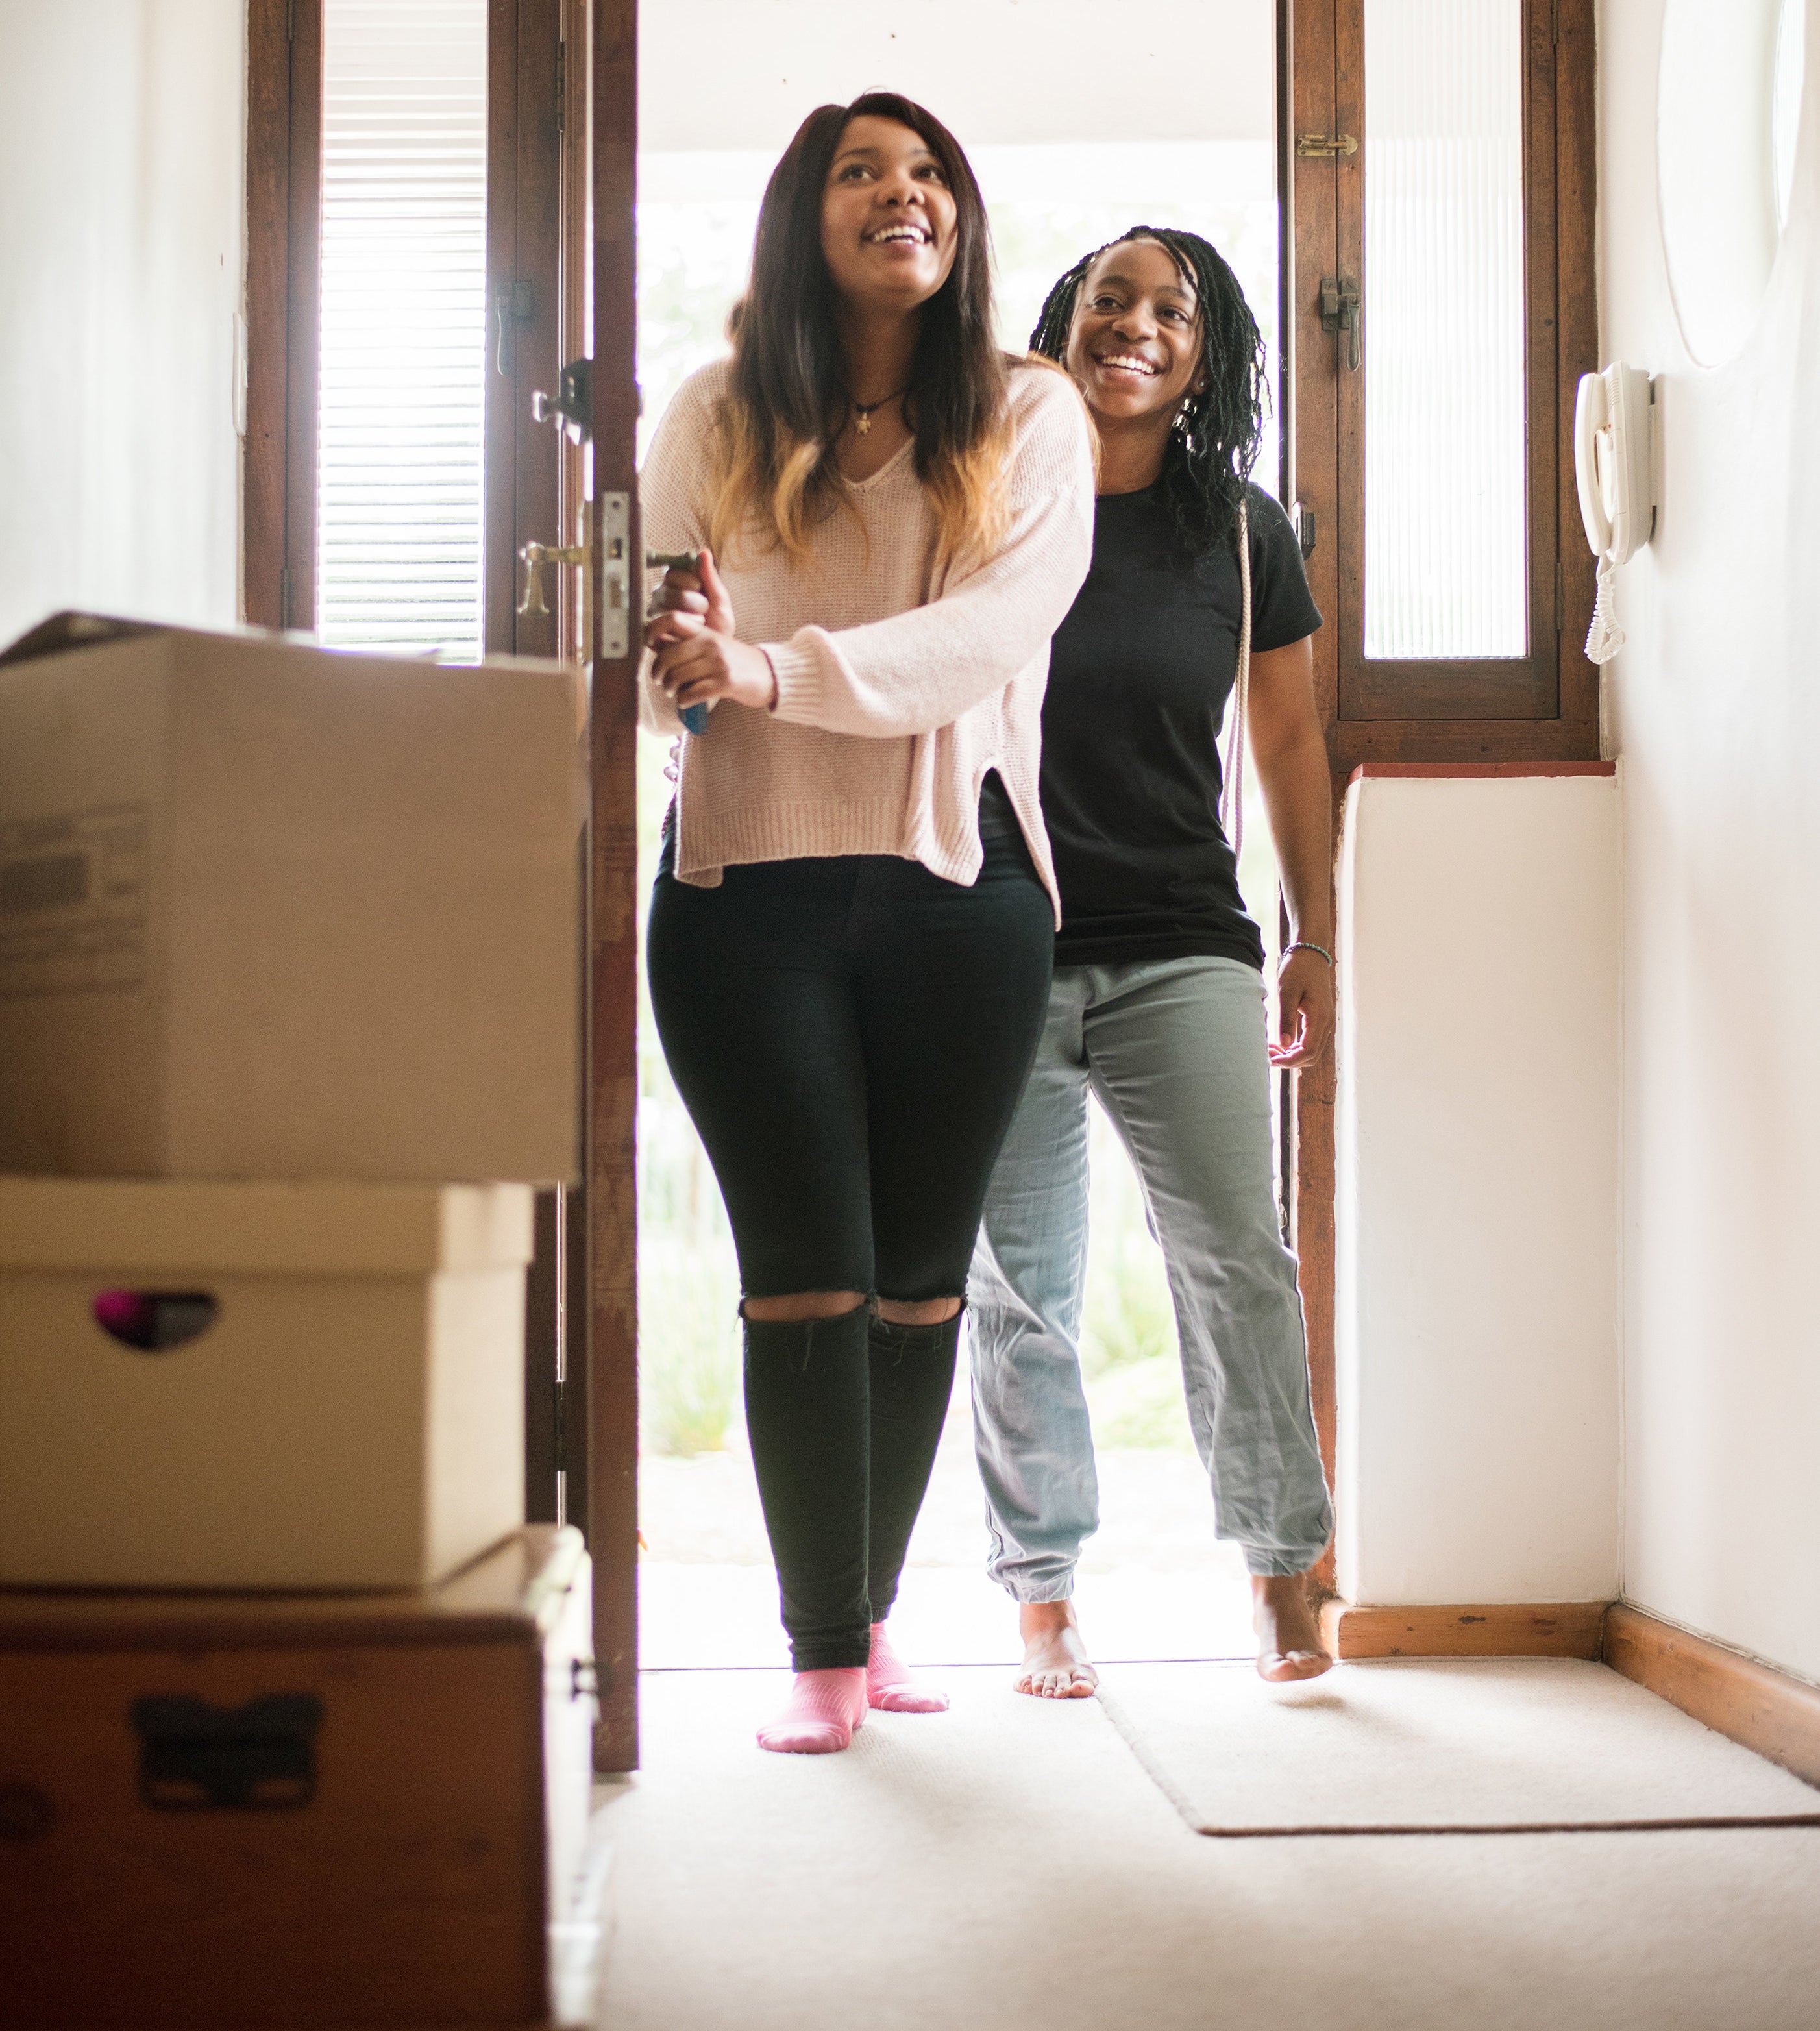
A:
[75, 901]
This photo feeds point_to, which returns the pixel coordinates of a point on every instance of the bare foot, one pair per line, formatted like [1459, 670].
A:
[1289, 1645]
[1055, 1666]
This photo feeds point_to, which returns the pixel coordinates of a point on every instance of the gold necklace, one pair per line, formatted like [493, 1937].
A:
[863, 412]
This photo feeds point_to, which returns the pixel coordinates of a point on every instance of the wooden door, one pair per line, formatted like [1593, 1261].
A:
[616, 579]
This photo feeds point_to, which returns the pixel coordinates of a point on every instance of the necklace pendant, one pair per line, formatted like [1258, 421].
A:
[863, 422]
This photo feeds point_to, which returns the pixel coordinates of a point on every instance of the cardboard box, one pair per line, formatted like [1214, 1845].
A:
[268, 910]
[305, 1386]
[225, 1810]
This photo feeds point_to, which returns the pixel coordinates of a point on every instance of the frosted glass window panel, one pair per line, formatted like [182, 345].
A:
[1446, 525]
[1791, 75]
[401, 424]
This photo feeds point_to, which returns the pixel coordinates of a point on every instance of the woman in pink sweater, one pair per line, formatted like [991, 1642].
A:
[852, 933]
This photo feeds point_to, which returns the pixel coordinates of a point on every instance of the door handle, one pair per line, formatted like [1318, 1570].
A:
[536, 556]
[515, 303]
[1339, 307]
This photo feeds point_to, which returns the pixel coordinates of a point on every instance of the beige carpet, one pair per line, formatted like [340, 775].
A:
[1511, 1745]
[1009, 1867]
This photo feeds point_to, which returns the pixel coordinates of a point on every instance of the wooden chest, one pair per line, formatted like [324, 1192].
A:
[296, 1811]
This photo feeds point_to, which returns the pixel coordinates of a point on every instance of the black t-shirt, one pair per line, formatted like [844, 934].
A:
[1139, 677]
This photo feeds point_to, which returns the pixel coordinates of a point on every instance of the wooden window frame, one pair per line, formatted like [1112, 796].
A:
[1431, 712]
[1550, 713]
[1500, 688]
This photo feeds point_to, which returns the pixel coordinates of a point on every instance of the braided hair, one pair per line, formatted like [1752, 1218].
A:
[1214, 443]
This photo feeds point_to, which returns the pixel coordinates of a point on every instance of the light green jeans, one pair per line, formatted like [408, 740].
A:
[1174, 1051]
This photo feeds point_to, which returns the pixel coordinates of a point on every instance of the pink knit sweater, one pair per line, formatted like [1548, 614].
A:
[898, 688]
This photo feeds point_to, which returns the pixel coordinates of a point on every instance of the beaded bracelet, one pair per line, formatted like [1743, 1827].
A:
[1307, 945]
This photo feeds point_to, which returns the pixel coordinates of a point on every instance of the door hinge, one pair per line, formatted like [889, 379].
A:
[571, 408]
[1560, 598]
[1554, 24]
[562, 83]
[290, 20]
[561, 1431]
[1302, 520]
[285, 597]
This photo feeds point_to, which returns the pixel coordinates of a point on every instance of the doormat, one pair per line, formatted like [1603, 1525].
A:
[1438, 1745]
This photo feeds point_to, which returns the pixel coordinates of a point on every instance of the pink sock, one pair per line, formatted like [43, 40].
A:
[824, 1708]
[889, 1685]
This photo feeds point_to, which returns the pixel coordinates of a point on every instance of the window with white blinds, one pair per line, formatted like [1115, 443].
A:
[401, 429]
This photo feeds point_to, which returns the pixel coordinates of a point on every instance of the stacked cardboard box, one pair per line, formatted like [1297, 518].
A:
[288, 972]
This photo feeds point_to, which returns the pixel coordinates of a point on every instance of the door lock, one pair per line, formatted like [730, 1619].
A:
[1316, 145]
[1340, 313]
[612, 525]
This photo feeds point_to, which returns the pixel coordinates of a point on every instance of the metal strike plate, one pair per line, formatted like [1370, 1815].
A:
[613, 530]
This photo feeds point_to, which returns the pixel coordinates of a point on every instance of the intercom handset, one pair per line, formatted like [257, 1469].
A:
[1614, 463]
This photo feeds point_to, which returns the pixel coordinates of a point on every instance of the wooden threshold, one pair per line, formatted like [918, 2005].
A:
[1501, 771]
[1497, 1629]
[1753, 1703]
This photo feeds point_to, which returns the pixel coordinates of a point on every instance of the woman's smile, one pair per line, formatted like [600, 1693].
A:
[900, 233]
[1133, 363]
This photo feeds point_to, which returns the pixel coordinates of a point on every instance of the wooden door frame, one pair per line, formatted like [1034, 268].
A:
[612, 1110]
[284, 235]
[1323, 422]
[1320, 89]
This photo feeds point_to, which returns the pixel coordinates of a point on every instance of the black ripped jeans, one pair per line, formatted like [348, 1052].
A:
[851, 1037]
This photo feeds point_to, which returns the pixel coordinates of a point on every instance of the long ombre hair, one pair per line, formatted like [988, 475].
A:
[775, 474]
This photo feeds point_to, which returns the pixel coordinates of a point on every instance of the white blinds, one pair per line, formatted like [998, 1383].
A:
[1445, 538]
[401, 434]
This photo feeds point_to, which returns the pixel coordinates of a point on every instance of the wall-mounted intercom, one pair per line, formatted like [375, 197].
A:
[1614, 462]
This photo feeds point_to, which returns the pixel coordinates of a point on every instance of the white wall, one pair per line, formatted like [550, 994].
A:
[1714, 706]
[739, 74]
[1477, 1355]
[122, 220]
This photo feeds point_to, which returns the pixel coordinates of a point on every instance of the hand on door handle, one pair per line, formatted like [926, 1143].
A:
[536, 556]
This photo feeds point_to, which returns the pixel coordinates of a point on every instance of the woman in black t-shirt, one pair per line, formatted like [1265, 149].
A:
[1158, 1002]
